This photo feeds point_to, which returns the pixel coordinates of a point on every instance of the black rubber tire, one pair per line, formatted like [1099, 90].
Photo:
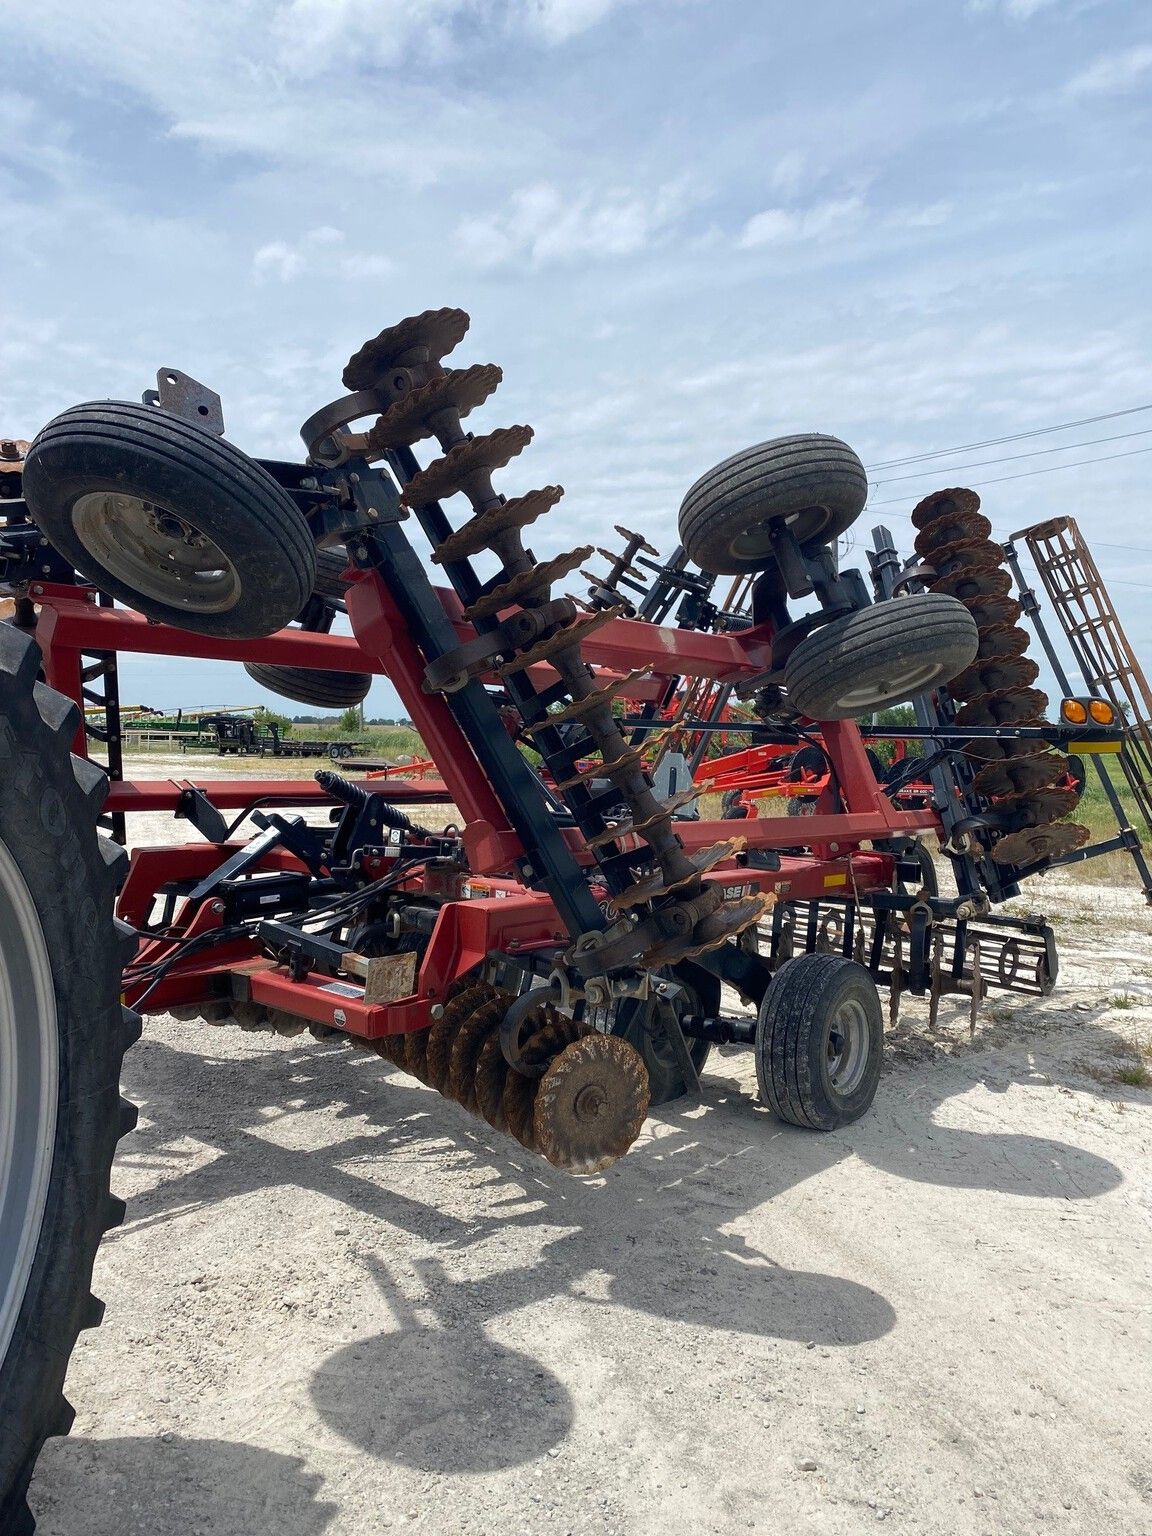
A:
[808, 759]
[816, 483]
[329, 564]
[49, 802]
[793, 1030]
[138, 450]
[732, 807]
[306, 685]
[665, 1080]
[885, 654]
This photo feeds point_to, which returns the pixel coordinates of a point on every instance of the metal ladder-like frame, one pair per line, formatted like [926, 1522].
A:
[1103, 655]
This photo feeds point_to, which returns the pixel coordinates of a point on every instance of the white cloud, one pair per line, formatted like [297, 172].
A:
[319, 250]
[1019, 10]
[540, 225]
[789, 226]
[1112, 73]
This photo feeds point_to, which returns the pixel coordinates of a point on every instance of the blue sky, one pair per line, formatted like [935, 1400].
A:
[681, 226]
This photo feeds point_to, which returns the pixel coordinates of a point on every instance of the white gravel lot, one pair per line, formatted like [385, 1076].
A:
[340, 1305]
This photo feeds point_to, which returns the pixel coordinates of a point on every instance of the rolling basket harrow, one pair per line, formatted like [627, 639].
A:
[553, 958]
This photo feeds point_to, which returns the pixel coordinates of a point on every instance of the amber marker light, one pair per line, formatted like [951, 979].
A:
[1101, 711]
[1074, 712]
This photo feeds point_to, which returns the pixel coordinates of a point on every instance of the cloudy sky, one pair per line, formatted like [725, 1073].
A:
[681, 226]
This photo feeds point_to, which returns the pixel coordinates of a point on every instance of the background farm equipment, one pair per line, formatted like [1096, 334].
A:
[555, 956]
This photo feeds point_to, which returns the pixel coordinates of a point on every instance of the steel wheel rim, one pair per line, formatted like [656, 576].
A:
[846, 1047]
[755, 543]
[29, 1075]
[156, 552]
[908, 684]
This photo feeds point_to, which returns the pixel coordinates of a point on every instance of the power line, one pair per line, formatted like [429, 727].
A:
[1025, 474]
[1013, 437]
[1012, 458]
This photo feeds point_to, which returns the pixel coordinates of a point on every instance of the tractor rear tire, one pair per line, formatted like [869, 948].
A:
[819, 1042]
[815, 483]
[885, 654]
[307, 685]
[176, 523]
[63, 1034]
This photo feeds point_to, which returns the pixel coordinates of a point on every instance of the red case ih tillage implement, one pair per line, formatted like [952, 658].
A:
[554, 961]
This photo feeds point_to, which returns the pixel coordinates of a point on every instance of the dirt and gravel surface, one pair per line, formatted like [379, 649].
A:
[339, 1305]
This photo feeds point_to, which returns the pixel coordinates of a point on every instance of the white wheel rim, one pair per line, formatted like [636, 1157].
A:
[155, 552]
[905, 686]
[29, 1075]
[847, 1047]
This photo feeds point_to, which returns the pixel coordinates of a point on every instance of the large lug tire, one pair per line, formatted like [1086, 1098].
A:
[819, 1042]
[176, 523]
[885, 654]
[306, 685]
[62, 1036]
[814, 482]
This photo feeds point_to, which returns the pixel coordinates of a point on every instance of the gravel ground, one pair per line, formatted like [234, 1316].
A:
[340, 1305]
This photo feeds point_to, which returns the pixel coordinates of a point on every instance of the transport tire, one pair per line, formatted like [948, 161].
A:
[62, 1036]
[732, 807]
[816, 483]
[330, 563]
[819, 1042]
[174, 522]
[885, 654]
[307, 685]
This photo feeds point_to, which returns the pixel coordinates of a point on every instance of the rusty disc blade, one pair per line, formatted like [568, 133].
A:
[992, 674]
[951, 528]
[1004, 706]
[591, 1104]
[470, 1038]
[967, 555]
[1036, 843]
[627, 762]
[518, 1104]
[727, 922]
[1038, 808]
[573, 634]
[391, 1048]
[658, 885]
[956, 498]
[480, 531]
[1002, 640]
[966, 584]
[1022, 775]
[428, 337]
[620, 829]
[438, 1053]
[490, 1078]
[416, 1054]
[445, 476]
[516, 588]
[588, 705]
[993, 609]
[410, 418]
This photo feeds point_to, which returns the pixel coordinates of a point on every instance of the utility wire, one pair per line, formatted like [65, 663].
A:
[1013, 437]
[1051, 470]
[1013, 458]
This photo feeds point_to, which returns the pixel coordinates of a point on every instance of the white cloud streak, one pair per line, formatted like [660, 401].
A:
[1113, 74]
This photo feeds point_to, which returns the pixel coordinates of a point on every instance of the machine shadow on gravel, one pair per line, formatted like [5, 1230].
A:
[170, 1488]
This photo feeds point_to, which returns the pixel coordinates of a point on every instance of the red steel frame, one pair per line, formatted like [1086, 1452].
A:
[71, 625]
